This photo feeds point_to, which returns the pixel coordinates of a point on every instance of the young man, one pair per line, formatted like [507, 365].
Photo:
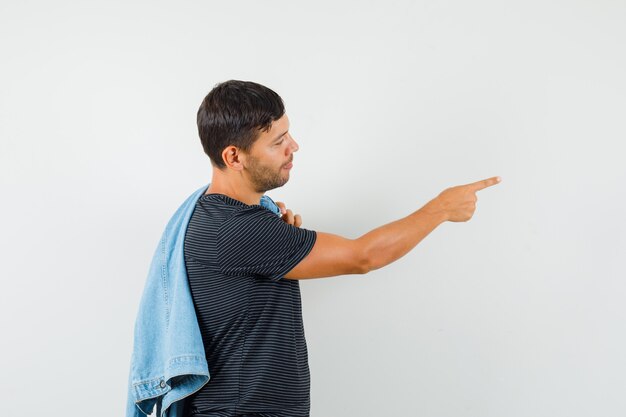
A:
[244, 262]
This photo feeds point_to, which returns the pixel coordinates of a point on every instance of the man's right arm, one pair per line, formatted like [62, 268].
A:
[334, 255]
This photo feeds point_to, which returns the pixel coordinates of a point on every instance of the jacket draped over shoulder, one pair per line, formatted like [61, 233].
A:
[168, 361]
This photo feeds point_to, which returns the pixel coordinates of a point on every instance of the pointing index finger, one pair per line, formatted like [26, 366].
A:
[482, 184]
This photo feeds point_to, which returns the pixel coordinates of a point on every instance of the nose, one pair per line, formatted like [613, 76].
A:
[293, 146]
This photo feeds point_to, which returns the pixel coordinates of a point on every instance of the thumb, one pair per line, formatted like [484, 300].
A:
[282, 207]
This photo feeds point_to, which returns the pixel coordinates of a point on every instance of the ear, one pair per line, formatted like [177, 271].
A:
[233, 157]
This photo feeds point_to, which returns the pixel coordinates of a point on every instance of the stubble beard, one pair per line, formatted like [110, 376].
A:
[264, 178]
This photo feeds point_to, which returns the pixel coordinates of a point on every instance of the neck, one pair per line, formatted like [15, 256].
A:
[233, 186]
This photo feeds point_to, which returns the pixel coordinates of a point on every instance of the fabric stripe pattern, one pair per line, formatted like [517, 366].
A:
[250, 316]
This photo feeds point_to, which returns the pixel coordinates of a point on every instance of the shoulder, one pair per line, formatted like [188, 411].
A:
[250, 215]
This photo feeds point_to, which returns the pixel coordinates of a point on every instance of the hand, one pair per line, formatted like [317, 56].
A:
[459, 203]
[288, 216]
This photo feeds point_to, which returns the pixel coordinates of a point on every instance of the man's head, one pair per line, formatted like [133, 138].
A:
[243, 127]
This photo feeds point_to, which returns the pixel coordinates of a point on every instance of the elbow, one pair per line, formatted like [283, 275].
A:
[364, 264]
[362, 268]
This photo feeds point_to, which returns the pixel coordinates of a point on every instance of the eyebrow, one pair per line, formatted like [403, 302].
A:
[280, 136]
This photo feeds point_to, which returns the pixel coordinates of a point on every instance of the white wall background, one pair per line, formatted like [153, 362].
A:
[518, 312]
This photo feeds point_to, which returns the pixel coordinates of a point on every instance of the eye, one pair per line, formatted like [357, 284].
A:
[281, 141]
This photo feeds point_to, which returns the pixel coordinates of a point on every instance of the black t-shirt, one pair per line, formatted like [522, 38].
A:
[250, 316]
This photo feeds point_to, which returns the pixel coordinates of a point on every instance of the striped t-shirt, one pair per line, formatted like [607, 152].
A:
[250, 316]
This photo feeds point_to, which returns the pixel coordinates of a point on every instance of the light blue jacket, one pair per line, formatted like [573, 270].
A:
[168, 361]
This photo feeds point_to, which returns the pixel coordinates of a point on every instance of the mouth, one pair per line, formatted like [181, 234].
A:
[288, 166]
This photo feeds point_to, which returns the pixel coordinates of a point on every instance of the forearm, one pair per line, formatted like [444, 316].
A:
[391, 241]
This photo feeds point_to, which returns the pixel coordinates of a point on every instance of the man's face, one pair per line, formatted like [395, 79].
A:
[268, 163]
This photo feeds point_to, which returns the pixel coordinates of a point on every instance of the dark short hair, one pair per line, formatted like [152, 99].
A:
[234, 113]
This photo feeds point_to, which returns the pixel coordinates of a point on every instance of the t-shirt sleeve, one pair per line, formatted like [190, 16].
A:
[255, 241]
